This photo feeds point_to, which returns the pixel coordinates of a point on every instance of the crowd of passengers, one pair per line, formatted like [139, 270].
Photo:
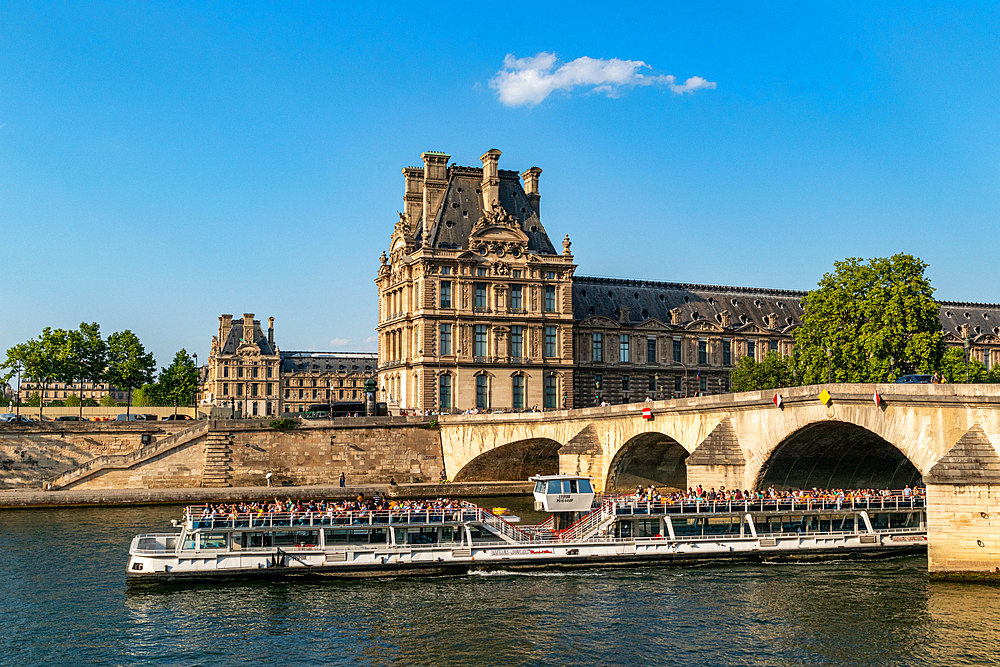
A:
[305, 509]
[839, 496]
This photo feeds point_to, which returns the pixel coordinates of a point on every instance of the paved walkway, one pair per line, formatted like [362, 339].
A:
[18, 498]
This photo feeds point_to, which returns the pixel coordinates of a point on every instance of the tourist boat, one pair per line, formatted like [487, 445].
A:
[584, 529]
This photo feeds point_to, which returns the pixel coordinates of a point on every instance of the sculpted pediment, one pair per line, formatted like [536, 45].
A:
[987, 339]
[950, 337]
[751, 328]
[652, 323]
[599, 321]
[703, 325]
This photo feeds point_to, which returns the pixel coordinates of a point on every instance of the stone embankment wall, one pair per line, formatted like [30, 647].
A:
[220, 454]
[33, 454]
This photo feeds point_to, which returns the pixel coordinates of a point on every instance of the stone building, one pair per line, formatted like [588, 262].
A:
[477, 309]
[475, 304]
[60, 391]
[244, 367]
[324, 377]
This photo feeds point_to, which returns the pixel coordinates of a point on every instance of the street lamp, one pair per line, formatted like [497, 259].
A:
[892, 369]
[967, 344]
[197, 383]
[17, 409]
[829, 366]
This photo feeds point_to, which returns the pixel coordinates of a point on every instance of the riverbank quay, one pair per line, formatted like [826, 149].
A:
[25, 499]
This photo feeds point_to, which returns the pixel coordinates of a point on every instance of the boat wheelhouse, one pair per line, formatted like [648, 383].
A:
[457, 537]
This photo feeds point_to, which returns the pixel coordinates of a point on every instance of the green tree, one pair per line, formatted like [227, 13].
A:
[88, 354]
[129, 365]
[953, 367]
[35, 400]
[58, 403]
[108, 401]
[148, 395]
[73, 401]
[179, 381]
[773, 372]
[89, 403]
[43, 360]
[877, 319]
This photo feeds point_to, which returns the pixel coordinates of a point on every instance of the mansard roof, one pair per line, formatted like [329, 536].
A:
[234, 339]
[645, 300]
[982, 318]
[328, 362]
[462, 206]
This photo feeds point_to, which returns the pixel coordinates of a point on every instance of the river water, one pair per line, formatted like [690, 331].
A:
[64, 601]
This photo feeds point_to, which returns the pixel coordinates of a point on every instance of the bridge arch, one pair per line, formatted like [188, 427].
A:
[515, 461]
[648, 458]
[836, 454]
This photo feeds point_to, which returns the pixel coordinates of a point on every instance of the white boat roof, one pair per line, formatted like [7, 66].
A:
[544, 478]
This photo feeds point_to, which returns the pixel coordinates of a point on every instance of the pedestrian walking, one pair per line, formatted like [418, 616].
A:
[268, 477]
[343, 480]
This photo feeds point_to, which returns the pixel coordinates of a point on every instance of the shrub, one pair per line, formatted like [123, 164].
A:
[282, 424]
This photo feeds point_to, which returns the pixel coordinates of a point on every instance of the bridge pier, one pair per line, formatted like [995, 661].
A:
[717, 462]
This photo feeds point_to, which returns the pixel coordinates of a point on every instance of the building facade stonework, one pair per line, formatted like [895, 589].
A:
[477, 310]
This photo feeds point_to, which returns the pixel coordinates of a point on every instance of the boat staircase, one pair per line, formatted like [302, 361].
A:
[218, 461]
[590, 524]
[498, 526]
[102, 464]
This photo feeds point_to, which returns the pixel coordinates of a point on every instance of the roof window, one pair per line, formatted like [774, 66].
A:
[687, 299]
[636, 296]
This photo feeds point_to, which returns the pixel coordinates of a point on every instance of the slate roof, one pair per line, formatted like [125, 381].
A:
[328, 362]
[232, 341]
[982, 318]
[647, 300]
[461, 208]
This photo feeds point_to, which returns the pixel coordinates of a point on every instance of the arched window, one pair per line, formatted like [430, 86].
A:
[551, 392]
[517, 384]
[482, 391]
[445, 392]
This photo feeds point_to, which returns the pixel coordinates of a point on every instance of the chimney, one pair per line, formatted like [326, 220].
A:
[531, 188]
[413, 194]
[491, 178]
[435, 182]
[270, 332]
[247, 327]
[225, 324]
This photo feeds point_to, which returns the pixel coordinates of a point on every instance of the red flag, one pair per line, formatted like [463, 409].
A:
[777, 400]
[877, 399]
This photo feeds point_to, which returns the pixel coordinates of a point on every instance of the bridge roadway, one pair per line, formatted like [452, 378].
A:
[940, 435]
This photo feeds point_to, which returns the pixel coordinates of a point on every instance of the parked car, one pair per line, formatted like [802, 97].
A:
[130, 418]
[150, 418]
[176, 418]
[11, 417]
[915, 379]
[70, 418]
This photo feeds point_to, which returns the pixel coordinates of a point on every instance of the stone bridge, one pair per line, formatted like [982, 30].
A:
[942, 435]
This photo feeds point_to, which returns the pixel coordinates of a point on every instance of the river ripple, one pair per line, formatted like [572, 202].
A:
[64, 600]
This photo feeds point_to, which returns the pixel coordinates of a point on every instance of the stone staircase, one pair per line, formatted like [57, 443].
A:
[218, 461]
[126, 461]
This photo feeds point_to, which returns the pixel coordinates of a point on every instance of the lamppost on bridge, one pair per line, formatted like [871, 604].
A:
[829, 366]
[967, 344]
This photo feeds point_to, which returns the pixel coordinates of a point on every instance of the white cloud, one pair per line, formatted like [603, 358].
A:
[371, 339]
[338, 342]
[528, 81]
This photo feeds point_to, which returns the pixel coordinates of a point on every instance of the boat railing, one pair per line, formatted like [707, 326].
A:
[624, 505]
[499, 525]
[204, 518]
[589, 522]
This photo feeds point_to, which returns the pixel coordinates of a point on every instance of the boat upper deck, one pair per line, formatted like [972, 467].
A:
[629, 505]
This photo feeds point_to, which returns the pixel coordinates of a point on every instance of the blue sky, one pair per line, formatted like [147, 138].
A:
[164, 163]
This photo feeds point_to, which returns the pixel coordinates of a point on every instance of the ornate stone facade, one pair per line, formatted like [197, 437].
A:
[475, 304]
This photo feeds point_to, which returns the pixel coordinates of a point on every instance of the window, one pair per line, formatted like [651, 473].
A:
[480, 272]
[751, 349]
[517, 342]
[225, 389]
[445, 391]
[626, 383]
[516, 273]
[515, 297]
[550, 341]
[445, 270]
[652, 385]
[677, 384]
[239, 372]
[702, 352]
[727, 353]
[269, 372]
[253, 372]
[517, 385]
[598, 381]
[623, 348]
[480, 295]
[253, 389]
[774, 346]
[482, 392]
[239, 389]
[650, 350]
[703, 384]
[225, 371]
[446, 294]
[597, 347]
[270, 389]
[986, 359]
[550, 275]
[677, 350]
[550, 392]
[480, 330]
[550, 298]
[445, 339]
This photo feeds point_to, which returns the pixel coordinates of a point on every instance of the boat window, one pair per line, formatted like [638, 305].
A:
[421, 536]
[213, 540]
[189, 542]
[256, 540]
[296, 538]
[337, 536]
[585, 486]
[378, 536]
[538, 487]
[555, 486]
[572, 485]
